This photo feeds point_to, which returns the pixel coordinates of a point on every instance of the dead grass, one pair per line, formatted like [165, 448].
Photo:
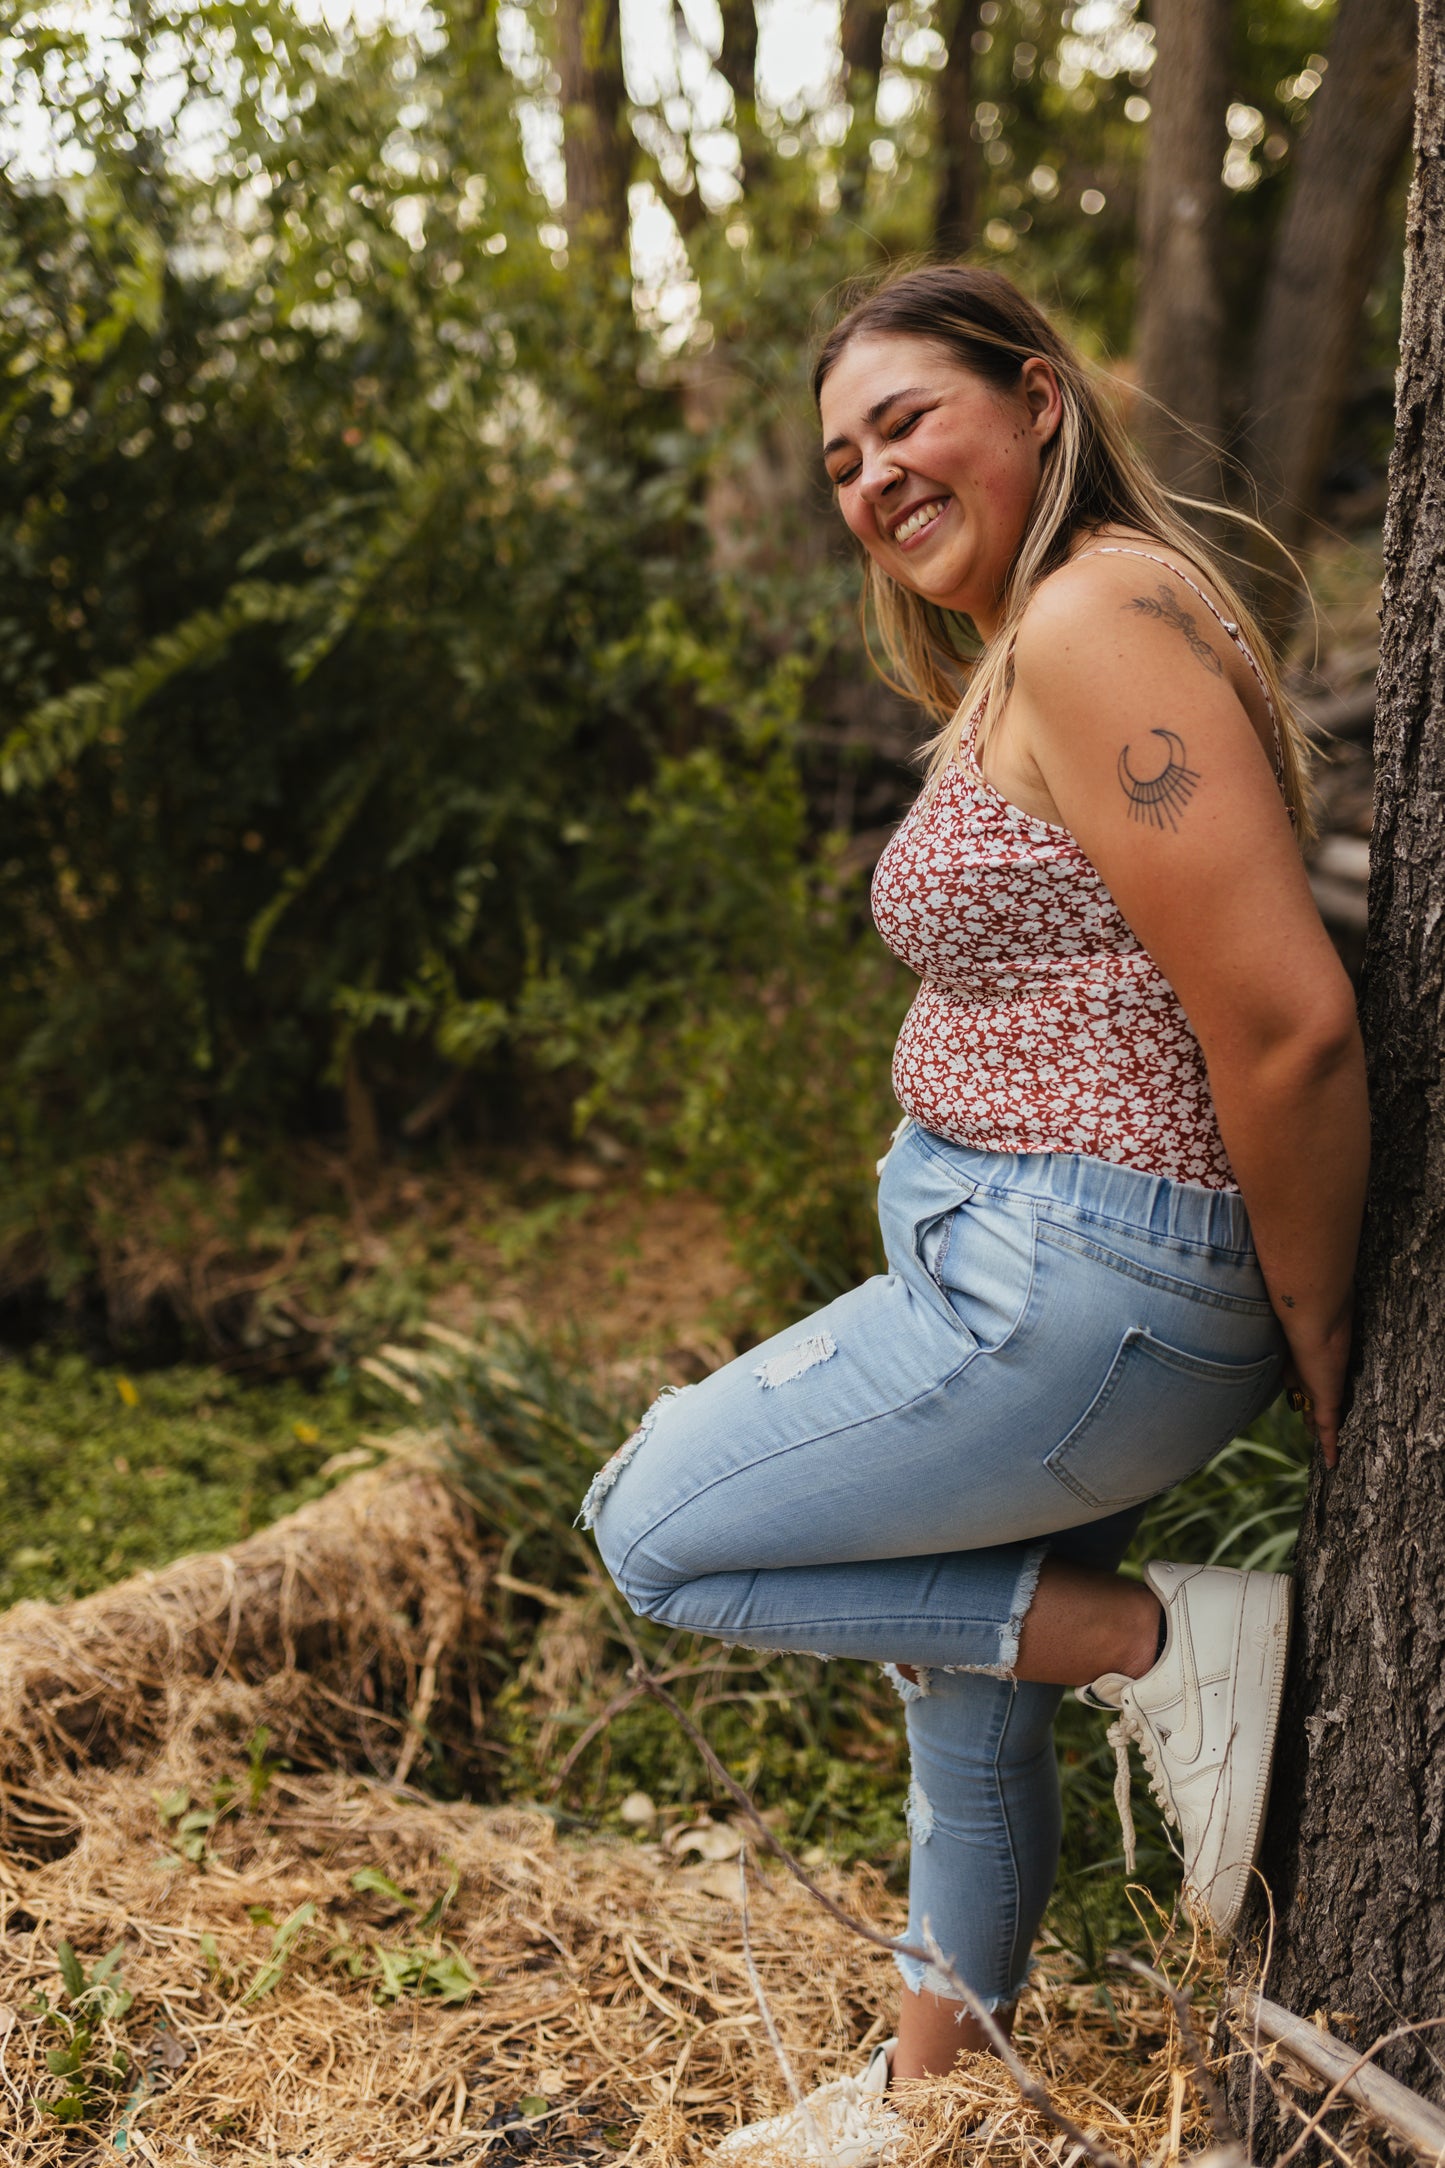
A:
[611, 1994]
[347, 1630]
[208, 1956]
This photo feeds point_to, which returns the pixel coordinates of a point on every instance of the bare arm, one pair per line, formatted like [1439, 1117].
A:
[1154, 765]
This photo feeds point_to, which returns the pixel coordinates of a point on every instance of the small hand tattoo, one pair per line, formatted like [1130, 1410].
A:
[1288, 1301]
[1170, 611]
[1159, 799]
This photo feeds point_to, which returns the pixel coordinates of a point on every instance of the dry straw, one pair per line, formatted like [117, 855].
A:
[314, 1966]
[346, 1629]
[612, 1994]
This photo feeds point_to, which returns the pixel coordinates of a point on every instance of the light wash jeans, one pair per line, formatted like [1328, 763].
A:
[1056, 1340]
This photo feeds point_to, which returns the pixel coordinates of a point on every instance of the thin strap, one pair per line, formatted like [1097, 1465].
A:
[1117, 549]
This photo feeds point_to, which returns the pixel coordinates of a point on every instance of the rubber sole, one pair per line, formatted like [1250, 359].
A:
[1266, 1611]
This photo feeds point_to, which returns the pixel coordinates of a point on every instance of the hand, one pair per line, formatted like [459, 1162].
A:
[1315, 1381]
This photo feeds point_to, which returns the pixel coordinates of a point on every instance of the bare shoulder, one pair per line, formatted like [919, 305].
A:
[1117, 602]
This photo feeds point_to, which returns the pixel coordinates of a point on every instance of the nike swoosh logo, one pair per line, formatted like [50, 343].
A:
[1188, 1734]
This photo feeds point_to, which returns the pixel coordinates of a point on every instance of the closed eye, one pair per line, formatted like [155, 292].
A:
[842, 476]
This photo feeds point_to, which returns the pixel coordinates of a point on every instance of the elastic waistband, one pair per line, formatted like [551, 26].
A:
[1213, 1219]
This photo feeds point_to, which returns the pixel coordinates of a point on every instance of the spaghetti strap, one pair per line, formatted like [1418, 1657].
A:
[1118, 549]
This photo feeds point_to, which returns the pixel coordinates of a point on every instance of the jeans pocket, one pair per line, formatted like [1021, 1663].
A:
[981, 1257]
[1158, 1416]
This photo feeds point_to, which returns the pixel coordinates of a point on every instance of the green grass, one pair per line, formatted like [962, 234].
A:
[102, 1473]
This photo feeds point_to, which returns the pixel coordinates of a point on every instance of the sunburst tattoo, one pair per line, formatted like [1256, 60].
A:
[1159, 799]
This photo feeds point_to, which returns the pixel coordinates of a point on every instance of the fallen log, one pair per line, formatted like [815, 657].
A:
[1417, 2123]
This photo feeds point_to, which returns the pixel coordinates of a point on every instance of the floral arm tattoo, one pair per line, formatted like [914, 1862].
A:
[1169, 610]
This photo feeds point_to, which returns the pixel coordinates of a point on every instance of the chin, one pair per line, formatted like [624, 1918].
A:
[943, 594]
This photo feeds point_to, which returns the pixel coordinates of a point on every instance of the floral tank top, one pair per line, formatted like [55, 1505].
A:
[1041, 1024]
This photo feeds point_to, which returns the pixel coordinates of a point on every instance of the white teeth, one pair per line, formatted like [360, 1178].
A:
[920, 518]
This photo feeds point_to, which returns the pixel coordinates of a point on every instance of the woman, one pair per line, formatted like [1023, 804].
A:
[1124, 1204]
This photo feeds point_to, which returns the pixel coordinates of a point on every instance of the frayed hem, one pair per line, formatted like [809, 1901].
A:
[1028, 1582]
[611, 1469]
[909, 1690]
[923, 1979]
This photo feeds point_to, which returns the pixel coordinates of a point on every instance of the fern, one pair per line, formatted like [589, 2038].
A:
[345, 594]
[59, 730]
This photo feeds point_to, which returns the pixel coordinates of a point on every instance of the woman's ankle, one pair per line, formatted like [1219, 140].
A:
[933, 2031]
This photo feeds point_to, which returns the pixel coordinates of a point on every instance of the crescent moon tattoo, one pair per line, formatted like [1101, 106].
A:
[1159, 799]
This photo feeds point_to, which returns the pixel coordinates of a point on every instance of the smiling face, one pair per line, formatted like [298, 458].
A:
[935, 469]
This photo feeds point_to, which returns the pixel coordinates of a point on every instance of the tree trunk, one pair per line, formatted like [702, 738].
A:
[1355, 1851]
[955, 208]
[863, 25]
[1324, 256]
[1180, 336]
[596, 138]
[738, 65]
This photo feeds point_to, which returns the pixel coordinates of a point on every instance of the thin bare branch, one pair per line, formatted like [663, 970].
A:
[1035, 2093]
[1219, 2118]
[775, 2038]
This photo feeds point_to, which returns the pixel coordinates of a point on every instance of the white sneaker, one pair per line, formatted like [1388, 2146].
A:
[846, 2121]
[1204, 1719]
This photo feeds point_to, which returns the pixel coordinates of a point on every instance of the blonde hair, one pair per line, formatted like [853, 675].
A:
[1092, 477]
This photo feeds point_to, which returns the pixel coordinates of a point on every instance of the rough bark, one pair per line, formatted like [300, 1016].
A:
[596, 138]
[1324, 256]
[955, 207]
[1180, 335]
[1354, 1851]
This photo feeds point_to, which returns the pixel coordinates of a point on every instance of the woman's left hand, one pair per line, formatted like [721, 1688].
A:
[1315, 1380]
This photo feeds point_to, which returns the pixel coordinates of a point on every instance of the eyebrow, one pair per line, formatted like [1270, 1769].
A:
[875, 413]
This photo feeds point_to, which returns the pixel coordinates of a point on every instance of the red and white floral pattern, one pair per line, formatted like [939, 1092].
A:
[1041, 1024]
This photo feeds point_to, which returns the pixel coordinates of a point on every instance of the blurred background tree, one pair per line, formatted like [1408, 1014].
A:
[433, 706]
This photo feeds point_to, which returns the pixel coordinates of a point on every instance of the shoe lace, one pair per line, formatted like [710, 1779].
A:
[840, 2113]
[1129, 1725]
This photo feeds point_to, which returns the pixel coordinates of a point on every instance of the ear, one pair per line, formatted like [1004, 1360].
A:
[1039, 388]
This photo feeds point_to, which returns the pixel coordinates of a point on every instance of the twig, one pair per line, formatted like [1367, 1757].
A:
[1219, 2117]
[1029, 2086]
[615, 1707]
[1403, 2020]
[817, 2137]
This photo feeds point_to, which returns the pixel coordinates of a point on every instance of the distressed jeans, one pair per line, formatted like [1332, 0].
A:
[1056, 1340]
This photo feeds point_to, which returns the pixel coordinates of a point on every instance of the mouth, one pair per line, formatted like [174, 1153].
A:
[918, 523]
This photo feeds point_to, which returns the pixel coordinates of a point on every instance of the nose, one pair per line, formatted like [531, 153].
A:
[880, 476]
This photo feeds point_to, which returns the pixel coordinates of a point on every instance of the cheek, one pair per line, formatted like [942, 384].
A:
[859, 520]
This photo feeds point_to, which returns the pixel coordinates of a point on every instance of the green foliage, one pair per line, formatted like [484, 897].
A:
[283, 1942]
[429, 1968]
[93, 2060]
[191, 1828]
[102, 1474]
[347, 582]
